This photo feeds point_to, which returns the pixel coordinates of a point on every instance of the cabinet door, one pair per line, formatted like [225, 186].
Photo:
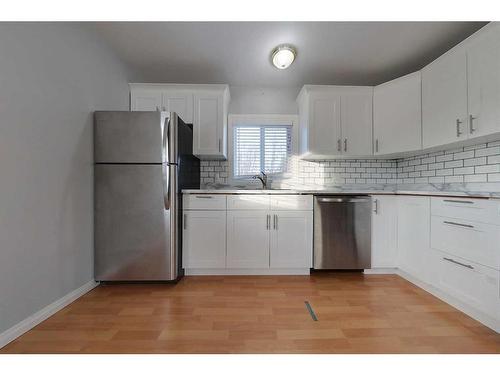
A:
[248, 239]
[324, 124]
[444, 99]
[204, 239]
[208, 124]
[179, 102]
[291, 239]
[397, 120]
[384, 232]
[356, 119]
[414, 235]
[483, 73]
[145, 100]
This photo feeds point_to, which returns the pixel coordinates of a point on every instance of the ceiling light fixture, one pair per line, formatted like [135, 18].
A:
[283, 56]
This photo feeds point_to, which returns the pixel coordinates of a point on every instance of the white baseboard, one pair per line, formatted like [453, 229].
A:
[38, 317]
[481, 317]
[380, 271]
[245, 271]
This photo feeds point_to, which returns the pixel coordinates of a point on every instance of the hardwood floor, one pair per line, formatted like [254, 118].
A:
[260, 314]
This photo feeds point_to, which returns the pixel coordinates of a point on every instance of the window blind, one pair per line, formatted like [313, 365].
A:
[261, 148]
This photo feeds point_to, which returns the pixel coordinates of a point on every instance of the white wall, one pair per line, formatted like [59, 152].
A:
[52, 76]
[263, 100]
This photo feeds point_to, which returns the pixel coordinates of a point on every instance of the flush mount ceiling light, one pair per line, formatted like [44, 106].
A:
[283, 56]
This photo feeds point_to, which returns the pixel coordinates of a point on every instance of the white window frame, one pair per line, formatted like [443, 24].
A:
[258, 120]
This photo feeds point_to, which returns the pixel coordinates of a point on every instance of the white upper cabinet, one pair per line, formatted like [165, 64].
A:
[444, 99]
[483, 76]
[204, 106]
[356, 119]
[145, 99]
[210, 122]
[335, 120]
[397, 116]
[179, 101]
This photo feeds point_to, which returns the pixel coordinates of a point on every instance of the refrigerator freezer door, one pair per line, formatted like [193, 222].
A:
[129, 137]
[135, 236]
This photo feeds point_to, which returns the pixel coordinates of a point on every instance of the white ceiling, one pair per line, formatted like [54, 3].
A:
[238, 53]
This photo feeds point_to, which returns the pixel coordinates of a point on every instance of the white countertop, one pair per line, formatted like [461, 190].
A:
[471, 194]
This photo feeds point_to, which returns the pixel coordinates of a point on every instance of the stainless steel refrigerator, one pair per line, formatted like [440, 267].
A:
[142, 161]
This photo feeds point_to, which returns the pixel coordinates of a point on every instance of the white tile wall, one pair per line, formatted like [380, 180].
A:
[478, 163]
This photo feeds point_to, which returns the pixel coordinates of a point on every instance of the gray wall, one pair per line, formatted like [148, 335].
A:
[263, 100]
[52, 76]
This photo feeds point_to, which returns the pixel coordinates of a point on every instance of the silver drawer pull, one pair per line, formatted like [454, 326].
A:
[204, 196]
[460, 264]
[459, 224]
[457, 201]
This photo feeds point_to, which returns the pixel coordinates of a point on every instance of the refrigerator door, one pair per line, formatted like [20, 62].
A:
[135, 234]
[129, 137]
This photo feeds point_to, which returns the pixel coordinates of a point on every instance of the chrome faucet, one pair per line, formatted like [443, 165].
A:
[263, 178]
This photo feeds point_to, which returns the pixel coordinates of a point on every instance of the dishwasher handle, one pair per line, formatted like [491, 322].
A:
[343, 199]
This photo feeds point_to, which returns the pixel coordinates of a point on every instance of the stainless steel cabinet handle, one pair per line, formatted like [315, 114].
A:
[375, 206]
[459, 224]
[268, 221]
[457, 201]
[471, 124]
[460, 264]
[185, 221]
[376, 145]
[458, 127]
[204, 196]
[219, 145]
[276, 222]
[339, 146]
[345, 144]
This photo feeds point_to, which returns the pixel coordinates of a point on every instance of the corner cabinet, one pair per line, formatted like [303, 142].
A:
[397, 119]
[335, 120]
[204, 106]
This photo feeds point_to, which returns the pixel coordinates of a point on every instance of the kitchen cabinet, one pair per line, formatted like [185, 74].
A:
[397, 119]
[248, 234]
[384, 231]
[204, 106]
[414, 236]
[143, 99]
[335, 120]
[483, 77]
[291, 239]
[444, 99]
[204, 239]
[210, 123]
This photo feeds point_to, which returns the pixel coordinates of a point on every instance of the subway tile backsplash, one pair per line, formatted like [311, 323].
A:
[477, 163]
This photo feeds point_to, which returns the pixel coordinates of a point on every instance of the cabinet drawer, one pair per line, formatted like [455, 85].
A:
[469, 282]
[482, 210]
[477, 242]
[248, 202]
[204, 202]
[292, 202]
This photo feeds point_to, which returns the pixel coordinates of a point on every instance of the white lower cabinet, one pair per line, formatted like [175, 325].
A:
[248, 239]
[470, 283]
[414, 236]
[384, 231]
[291, 239]
[204, 239]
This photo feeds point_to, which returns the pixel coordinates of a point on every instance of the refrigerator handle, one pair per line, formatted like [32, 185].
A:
[166, 169]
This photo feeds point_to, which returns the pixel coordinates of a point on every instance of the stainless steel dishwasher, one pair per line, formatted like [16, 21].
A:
[342, 232]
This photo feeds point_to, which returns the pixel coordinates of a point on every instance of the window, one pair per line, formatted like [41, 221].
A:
[261, 148]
